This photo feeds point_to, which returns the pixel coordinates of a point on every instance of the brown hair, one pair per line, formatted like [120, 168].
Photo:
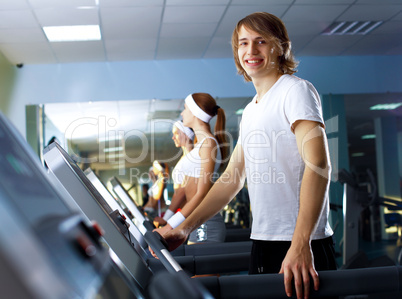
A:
[273, 30]
[207, 103]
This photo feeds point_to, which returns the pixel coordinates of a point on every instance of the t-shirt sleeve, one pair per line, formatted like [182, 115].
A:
[239, 139]
[303, 103]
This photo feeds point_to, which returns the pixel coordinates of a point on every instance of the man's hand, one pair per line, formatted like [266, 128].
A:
[298, 265]
[162, 231]
[175, 238]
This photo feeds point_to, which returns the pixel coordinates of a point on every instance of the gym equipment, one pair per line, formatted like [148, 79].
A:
[142, 222]
[116, 203]
[355, 199]
[47, 250]
[187, 288]
[239, 236]
[86, 199]
[124, 197]
[332, 283]
[120, 235]
[352, 281]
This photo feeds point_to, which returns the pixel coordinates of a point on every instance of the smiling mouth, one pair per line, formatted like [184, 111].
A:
[254, 61]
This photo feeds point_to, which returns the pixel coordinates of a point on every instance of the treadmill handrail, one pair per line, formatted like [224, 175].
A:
[154, 240]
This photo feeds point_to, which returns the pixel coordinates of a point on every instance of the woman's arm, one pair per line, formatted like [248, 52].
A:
[158, 192]
[178, 199]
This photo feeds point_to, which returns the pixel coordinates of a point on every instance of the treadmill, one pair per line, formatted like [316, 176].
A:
[187, 250]
[124, 197]
[358, 281]
[226, 258]
[47, 250]
[86, 199]
[116, 203]
[120, 234]
[129, 207]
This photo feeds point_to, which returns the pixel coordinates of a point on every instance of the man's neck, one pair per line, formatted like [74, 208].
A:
[262, 85]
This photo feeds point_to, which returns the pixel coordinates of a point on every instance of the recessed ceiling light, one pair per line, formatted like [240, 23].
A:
[369, 136]
[113, 149]
[358, 154]
[351, 27]
[72, 33]
[240, 111]
[390, 106]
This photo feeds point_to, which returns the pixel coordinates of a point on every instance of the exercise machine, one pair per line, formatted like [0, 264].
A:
[120, 235]
[46, 249]
[355, 200]
[358, 282]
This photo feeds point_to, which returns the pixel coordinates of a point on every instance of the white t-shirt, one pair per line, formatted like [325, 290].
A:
[274, 167]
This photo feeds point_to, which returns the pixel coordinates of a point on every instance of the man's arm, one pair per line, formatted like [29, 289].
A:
[202, 186]
[222, 192]
[299, 263]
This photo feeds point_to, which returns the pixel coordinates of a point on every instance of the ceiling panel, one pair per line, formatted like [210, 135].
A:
[189, 30]
[141, 29]
[185, 14]
[17, 19]
[83, 51]
[127, 3]
[382, 44]
[306, 28]
[13, 4]
[389, 28]
[62, 16]
[265, 3]
[313, 13]
[31, 53]
[219, 47]
[332, 45]
[128, 22]
[23, 35]
[181, 48]
[385, 2]
[196, 2]
[330, 2]
[130, 49]
[61, 3]
[370, 12]
[235, 13]
[299, 42]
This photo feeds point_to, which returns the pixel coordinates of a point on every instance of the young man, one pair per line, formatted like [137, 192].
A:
[282, 151]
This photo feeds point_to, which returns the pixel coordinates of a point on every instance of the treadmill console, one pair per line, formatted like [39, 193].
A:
[46, 250]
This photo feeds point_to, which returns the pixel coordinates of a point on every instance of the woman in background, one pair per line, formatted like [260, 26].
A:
[182, 137]
[200, 166]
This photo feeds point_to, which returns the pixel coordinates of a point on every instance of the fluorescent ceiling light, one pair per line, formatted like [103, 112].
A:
[390, 106]
[113, 149]
[351, 27]
[110, 138]
[239, 112]
[369, 136]
[72, 33]
[113, 156]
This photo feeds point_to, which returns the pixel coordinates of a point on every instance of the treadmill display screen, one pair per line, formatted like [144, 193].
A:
[83, 178]
[23, 183]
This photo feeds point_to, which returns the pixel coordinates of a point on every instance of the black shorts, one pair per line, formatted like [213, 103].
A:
[267, 256]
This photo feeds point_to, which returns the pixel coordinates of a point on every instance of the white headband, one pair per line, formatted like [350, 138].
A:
[196, 110]
[186, 130]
